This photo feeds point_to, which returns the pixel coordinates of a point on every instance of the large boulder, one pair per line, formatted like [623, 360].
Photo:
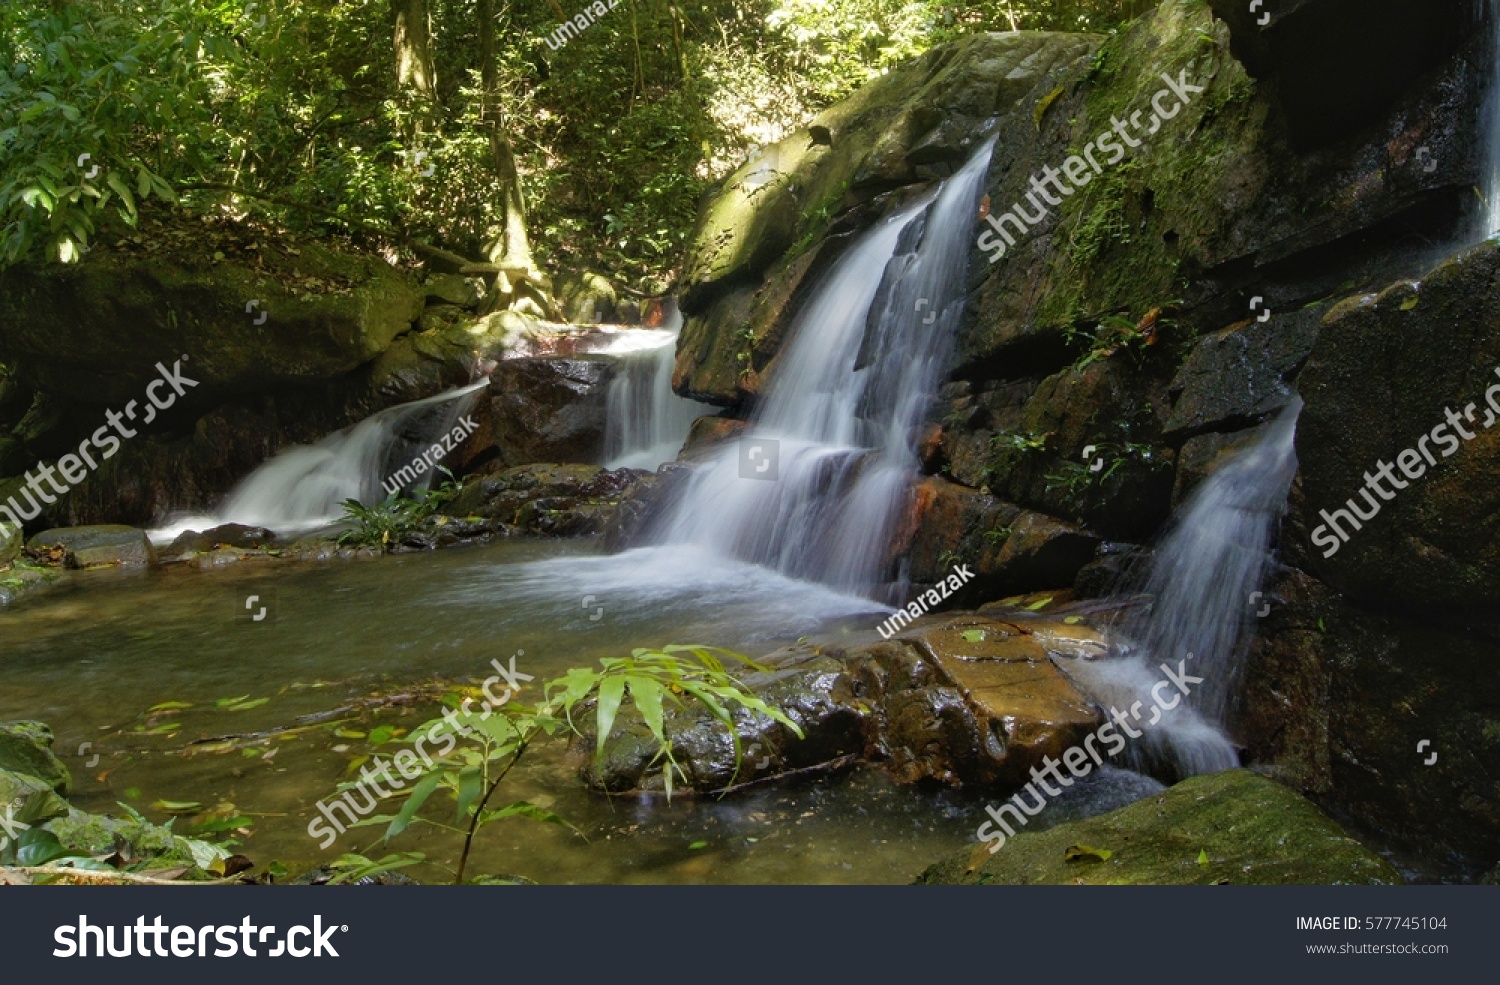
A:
[1232, 828]
[1400, 380]
[545, 409]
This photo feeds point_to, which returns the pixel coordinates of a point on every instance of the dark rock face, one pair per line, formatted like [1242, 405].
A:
[1337, 64]
[545, 410]
[1338, 702]
[1385, 375]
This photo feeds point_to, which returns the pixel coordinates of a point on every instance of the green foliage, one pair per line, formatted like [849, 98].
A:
[490, 742]
[129, 85]
[395, 516]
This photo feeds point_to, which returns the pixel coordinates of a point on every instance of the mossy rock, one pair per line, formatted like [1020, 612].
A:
[1233, 827]
[29, 800]
[138, 840]
[26, 747]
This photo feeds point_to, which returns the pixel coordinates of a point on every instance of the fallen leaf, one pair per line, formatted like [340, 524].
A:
[1085, 853]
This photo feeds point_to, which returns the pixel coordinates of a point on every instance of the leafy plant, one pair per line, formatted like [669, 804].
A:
[395, 516]
[490, 743]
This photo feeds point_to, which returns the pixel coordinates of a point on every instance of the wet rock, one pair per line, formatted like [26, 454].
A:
[12, 539]
[26, 747]
[1015, 707]
[901, 129]
[545, 410]
[813, 691]
[962, 700]
[1250, 830]
[1204, 455]
[547, 500]
[1042, 552]
[1241, 375]
[102, 545]
[708, 435]
[234, 535]
[1337, 700]
[1373, 392]
[21, 579]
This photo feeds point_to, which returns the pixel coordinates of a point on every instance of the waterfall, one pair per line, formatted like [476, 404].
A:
[305, 486]
[818, 483]
[1204, 581]
[645, 422]
[1490, 126]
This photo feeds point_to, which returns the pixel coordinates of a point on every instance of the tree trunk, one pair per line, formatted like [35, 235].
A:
[413, 41]
[510, 250]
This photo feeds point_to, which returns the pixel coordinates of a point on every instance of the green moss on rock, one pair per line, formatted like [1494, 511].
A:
[1232, 827]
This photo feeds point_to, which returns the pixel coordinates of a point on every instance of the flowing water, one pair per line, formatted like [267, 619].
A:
[304, 487]
[816, 486]
[1489, 13]
[646, 423]
[92, 656]
[787, 542]
[1204, 581]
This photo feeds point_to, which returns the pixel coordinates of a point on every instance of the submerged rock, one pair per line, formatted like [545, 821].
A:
[1232, 827]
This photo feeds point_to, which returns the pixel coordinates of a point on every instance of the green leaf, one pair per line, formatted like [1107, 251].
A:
[1203, 857]
[470, 783]
[697, 845]
[974, 635]
[1039, 604]
[1086, 853]
[168, 706]
[647, 695]
[380, 736]
[522, 808]
[178, 806]
[38, 846]
[611, 692]
[419, 795]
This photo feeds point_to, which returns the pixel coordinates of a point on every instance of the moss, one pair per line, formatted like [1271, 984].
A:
[1232, 827]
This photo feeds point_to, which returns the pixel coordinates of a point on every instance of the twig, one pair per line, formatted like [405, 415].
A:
[94, 875]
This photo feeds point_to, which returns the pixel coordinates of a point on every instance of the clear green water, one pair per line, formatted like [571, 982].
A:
[91, 656]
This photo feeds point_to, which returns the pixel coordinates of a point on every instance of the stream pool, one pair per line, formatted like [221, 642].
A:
[93, 655]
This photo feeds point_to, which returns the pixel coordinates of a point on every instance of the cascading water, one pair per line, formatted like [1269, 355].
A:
[305, 486]
[847, 395]
[1203, 581]
[1489, 10]
[646, 423]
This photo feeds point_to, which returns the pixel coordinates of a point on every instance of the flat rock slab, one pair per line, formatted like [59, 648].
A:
[99, 546]
[1234, 827]
[1019, 698]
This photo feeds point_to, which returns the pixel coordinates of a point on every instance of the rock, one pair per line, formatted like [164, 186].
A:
[92, 332]
[30, 800]
[1204, 455]
[1042, 552]
[227, 535]
[1371, 393]
[813, 691]
[708, 436]
[549, 500]
[26, 747]
[1336, 701]
[546, 410]
[102, 545]
[23, 579]
[587, 298]
[12, 539]
[1250, 830]
[464, 292]
[1337, 64]
[1005, 708]
[1241, 375]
